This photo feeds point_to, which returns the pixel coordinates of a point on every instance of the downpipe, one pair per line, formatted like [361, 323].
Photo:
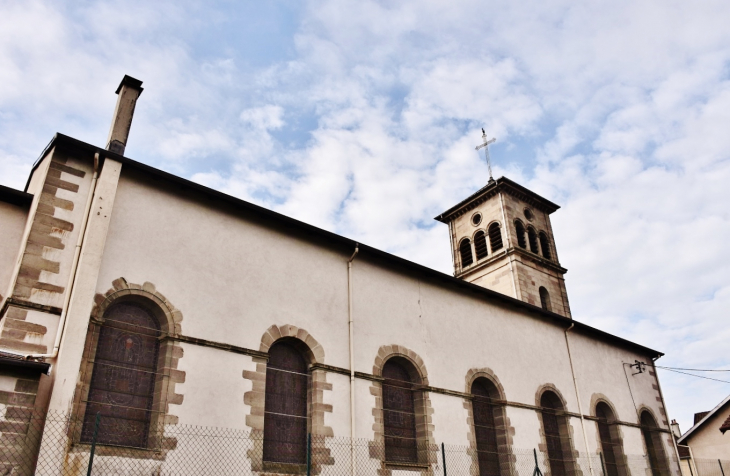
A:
[351, 331]
[577, 396]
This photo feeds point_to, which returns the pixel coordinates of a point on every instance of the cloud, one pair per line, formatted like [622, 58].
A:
[367, 127]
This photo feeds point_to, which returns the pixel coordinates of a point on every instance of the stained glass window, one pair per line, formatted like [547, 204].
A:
[285, 410]
[399, 413]
[124, 377]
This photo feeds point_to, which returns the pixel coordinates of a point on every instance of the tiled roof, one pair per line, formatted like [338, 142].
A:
[699, 416]
[683, 451]
[725, 426]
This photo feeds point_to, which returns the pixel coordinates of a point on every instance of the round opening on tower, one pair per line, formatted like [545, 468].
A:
[528, 214]
[476, 219]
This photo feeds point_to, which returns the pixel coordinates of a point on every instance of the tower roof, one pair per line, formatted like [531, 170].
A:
[502, 184]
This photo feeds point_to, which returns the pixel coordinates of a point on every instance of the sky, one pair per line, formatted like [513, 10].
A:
[361, 117]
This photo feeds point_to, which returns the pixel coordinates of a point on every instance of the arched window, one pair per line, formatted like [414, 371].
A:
[124, 376]
[532, 238]
[399, 411]
[654, 446]
[480, 244]
[611, 445]
[520, 230]
[465, 251]
[544, 245]
[545, 299]
[285, 405]
[557, 439]
[495, 237]
[488, 426]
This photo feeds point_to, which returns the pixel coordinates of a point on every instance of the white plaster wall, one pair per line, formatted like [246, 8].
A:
[233, 277]
[450, 421]
[339, 398]
[218, 403]
[12, 226]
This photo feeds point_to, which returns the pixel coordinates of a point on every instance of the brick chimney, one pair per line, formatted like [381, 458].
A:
[128, 91]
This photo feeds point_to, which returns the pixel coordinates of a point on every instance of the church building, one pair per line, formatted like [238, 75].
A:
[133, 300]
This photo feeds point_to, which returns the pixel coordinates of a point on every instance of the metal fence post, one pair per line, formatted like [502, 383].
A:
[443, 457]
[603, 464]
[721, 470]
[309, 454]
[537, 471]
[93, 443]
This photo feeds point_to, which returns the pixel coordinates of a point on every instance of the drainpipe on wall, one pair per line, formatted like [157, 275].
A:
[350, 325]
[577, 396]
[72, 275]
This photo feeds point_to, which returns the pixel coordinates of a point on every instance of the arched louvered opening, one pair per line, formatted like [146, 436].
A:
[545, 299]
[488, 426]
[557, 435]
[480, 244]
[124, 377]
[495, 237]
[545, 245]
[611, 445]
[532, 239]
[520, 230]
[654, 446]
[465, 252]
[285, 404]
[400, 414]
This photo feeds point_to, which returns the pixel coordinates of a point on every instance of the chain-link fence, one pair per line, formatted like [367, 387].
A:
[56, 445]
[711, 467]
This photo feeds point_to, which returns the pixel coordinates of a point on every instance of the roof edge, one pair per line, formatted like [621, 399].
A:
[15, 197]
[350, 243]
[707, 417]
[502, 183]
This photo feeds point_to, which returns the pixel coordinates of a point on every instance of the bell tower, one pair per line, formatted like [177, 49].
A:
[501, 239]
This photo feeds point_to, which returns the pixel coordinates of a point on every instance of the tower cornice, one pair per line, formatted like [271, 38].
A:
[502, 184]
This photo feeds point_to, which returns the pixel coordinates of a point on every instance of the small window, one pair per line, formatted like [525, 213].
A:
[520, 230]
[476, 219]
[544, 245]
[495, 237]
[528, 214]
[532, 238]
[480, 244]
[465, 251]
[545, 299]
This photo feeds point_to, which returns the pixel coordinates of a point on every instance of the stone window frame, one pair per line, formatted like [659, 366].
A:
[666, 469]
[424, 411]
[507, 458]
[616, 430]
[316, 408]
[169, 355]
[572, 468]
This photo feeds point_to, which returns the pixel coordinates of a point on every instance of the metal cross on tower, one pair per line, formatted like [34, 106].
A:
[485, 145]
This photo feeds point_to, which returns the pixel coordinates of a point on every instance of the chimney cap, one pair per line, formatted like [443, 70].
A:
[130, 82]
